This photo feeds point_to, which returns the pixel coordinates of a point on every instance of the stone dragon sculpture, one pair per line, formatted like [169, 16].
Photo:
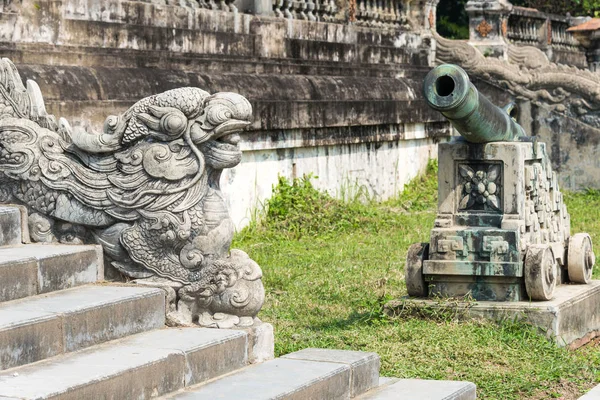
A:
[146, 188]
[530, 75]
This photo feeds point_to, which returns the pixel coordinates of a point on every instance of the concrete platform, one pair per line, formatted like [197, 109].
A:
[142, 366]
[10, 226]
[31, 269]
[571, 319]
[417, 389]
[287, 378]
[278, 379]
[43, 326]
[364, 366]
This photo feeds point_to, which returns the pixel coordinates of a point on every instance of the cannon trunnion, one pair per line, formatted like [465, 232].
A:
[502, 231]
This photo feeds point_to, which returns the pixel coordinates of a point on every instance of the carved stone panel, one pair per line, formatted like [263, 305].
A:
[480, 186]
[484, 28]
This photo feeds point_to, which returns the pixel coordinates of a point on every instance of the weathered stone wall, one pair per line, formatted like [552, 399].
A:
[336, 99]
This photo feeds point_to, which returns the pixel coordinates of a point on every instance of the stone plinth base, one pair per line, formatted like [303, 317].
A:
[261, 342]
[571, 319]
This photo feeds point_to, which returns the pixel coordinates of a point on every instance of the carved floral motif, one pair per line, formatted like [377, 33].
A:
[146, 188]
[480, 188]
[484, 28]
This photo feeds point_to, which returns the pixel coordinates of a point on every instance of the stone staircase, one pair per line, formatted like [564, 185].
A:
[66, 334]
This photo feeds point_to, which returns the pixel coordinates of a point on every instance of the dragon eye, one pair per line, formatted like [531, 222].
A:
[173, 123]
[218, 114]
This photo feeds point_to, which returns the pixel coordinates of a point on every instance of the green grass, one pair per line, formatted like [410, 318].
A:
[329, 267]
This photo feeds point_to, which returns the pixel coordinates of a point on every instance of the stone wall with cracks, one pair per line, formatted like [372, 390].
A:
[337, 99]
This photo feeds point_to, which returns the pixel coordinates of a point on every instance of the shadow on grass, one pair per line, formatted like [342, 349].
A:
[353, 320]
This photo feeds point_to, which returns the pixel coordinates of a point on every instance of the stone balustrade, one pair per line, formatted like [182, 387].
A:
[524, 29]
[561, 38]
[533, 28]
[383, 13]
[494, 24]
[308, 10]
[369, 13]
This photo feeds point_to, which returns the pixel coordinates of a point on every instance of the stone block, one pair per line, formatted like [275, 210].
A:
[115, 372]
[571, 318]
[102, 313]
[19, 279]
[147, 365]
[10, 226]
[28, 336]
[57, 267]
[209, 353]
[39, 327]
[423, 390]
[261, 342]
[278, 379]
[70, 267]
[364, 366]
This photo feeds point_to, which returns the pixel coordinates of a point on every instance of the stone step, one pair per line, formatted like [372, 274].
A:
[33, 269]
[10, 226]
[308, 374]
[43, 326]
[138, 367]
[419, 389]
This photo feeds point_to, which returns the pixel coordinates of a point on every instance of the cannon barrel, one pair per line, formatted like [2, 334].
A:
[447, 89]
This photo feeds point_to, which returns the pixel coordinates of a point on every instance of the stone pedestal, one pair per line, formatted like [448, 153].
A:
[261, 342]
[571, 318]
[488, 21]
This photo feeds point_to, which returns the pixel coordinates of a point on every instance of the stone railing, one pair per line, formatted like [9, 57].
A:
[495, 24]
[385, 13]
[559, 37]
[222, 5]
[526, 29]
[369, 13]
[530, 27]
[308, 10]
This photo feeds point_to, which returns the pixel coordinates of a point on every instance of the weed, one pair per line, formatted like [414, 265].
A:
[420, 194]
[297, 209]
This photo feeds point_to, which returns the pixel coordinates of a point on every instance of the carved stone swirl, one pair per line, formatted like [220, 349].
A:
[146, 188]
[530, 75]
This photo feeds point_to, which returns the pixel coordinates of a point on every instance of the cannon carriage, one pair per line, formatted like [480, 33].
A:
[502, 231]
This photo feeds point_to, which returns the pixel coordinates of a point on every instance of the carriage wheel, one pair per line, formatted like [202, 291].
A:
[540, 272]
[580, 258]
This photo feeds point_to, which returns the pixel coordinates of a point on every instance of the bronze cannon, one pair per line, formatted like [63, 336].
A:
[502, 231]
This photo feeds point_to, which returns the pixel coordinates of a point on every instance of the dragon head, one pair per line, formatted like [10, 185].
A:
[216, 130]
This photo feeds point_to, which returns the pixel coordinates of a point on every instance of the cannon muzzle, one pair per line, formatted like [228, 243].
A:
[448, 89]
